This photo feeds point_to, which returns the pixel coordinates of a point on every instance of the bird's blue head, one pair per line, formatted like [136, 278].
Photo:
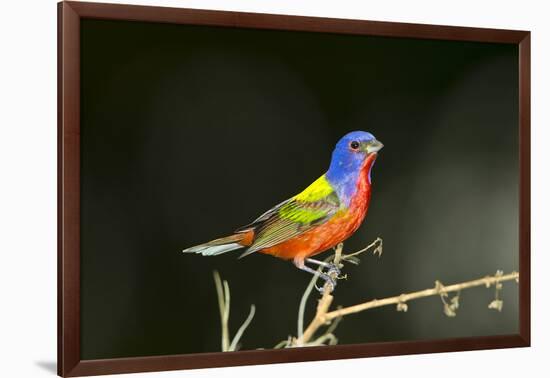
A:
[353, 152]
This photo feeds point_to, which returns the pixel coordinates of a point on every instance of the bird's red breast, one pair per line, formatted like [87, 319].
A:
[339, 228]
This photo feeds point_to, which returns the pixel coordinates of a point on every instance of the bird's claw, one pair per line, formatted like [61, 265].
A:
[333, 270]
[322, 289]
[330, 284]
[330, 276]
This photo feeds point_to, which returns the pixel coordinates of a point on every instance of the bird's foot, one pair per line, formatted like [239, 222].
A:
[333, 270]
[329, 284]
[331, 277]
[330, 273]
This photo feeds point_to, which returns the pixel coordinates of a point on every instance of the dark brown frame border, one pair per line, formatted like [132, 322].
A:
[69, 16]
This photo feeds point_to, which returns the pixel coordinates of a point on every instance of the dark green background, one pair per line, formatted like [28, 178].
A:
[190, 132]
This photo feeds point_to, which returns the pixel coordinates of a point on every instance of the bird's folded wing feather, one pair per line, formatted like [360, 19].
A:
[311, 208]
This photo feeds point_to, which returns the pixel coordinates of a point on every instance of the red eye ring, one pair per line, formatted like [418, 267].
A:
[354, 145]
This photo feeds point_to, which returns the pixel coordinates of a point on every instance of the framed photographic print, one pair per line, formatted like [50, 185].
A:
[239, 188]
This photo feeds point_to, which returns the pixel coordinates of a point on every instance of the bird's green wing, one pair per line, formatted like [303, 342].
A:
[311, 208]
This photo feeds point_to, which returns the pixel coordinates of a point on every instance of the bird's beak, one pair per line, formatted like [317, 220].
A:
[374, 146]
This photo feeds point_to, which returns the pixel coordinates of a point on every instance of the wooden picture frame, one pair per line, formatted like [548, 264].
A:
[70, 15]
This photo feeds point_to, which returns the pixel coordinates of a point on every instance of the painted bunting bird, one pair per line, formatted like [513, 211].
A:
[326, 213]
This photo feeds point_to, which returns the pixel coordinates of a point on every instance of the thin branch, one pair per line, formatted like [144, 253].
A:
[336, 260]
[324, 316]
[487, 281]
[284, 343]
[324, 302]
[303, 302]
[332, 340]
[224, 312]
[227, 308]
[378, 243]
[224, 302]
[334, 324]
[243, 328]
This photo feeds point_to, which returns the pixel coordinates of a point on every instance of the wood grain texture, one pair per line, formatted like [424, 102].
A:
[69, 16]
[68, 189]
[260, 357]
[525, 187]
[297, 23]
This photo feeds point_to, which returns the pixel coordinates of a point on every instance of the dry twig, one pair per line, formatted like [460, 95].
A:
[324, 317]
[222, 290]
[330, 318]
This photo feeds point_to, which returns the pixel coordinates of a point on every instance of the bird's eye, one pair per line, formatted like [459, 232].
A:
[354, 145]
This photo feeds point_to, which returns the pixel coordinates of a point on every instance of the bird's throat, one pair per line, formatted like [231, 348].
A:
[367, 167]
[347, 182]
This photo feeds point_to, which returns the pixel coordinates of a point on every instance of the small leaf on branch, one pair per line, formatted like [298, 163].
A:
[455, 302]
[352, 259]
[448, 310]
[379, 248]
[402, 307]
[496, 305]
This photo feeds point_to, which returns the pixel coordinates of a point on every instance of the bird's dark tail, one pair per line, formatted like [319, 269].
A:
[219, 246]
